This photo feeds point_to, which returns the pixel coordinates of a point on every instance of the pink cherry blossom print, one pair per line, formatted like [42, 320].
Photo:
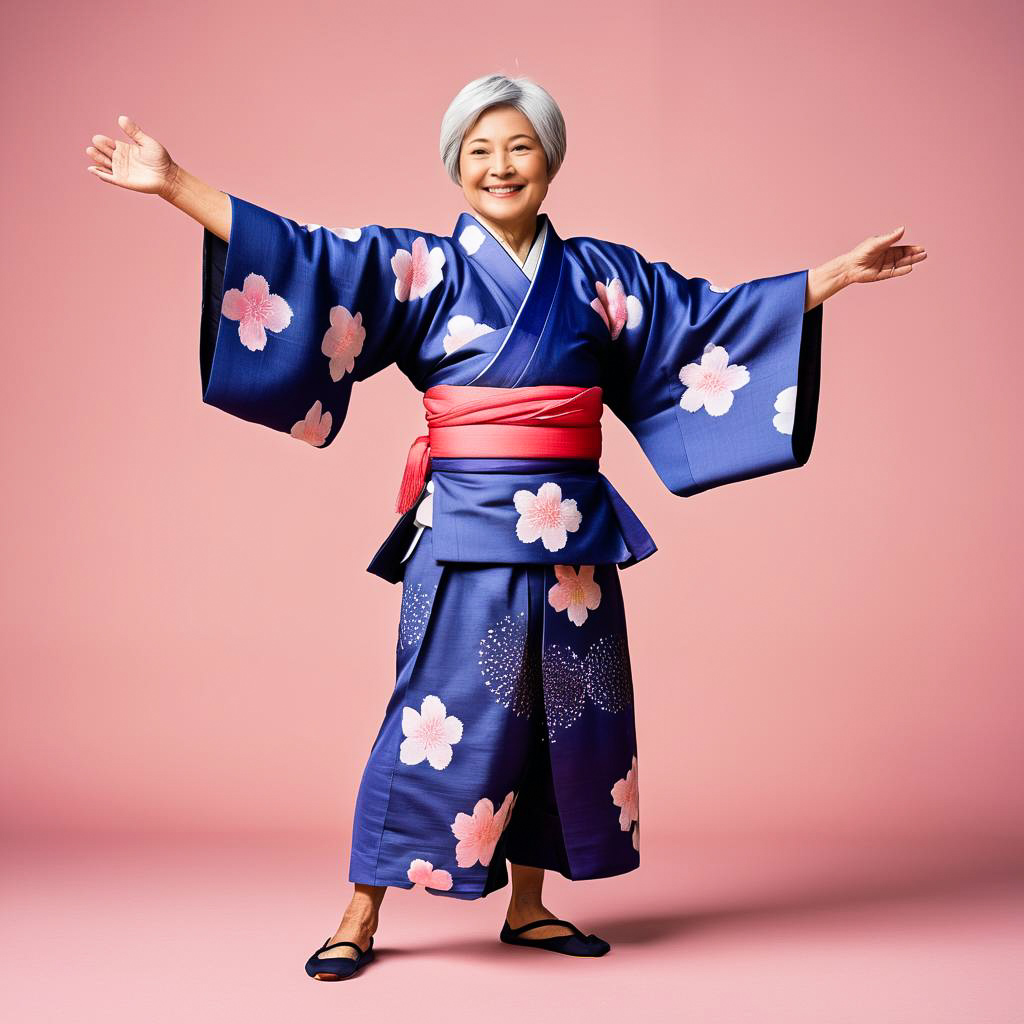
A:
[343, 341]
[710, 383]
[545, 515]
[575, 592]
[478, 833]
[626, 795]
[463, 329]
[424, 875]
[785, 409]
[257, 311]
[616, 308]
[636, 836]
[417, 272]
[429, 734]
[315, 427]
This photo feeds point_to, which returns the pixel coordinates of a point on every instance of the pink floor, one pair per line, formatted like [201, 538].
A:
[217, 930]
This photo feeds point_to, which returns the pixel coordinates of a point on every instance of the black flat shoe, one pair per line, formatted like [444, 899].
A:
[576, 944]
[335, 968]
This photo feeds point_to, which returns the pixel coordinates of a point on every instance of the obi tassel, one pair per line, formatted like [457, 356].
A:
[415, 474]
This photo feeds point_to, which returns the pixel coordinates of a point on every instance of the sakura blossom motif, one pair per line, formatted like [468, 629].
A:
[715, 288]
[636, 836]
[349, 234]
[424, 875]
[626, 795]
[471, 239]
[575, 592]
[429, 734]
[478, 833]
[785, 410]
[425, 512]
[710, 383]
[462, 329]
[616, 308]
[257, 309]
[546, 516]
[417, 272]
[343, 341]
[315, 427]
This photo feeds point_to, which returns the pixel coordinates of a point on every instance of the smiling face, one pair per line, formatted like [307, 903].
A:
[502, 149]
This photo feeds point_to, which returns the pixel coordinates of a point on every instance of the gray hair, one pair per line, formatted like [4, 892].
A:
[534, 102]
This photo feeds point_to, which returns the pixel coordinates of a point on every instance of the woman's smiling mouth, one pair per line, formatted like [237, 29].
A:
[503, 190]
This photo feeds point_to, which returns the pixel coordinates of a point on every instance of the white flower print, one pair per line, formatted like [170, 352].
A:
[575, 592]
[349, 234]
[315, 427]
[429, 733]
[425, 513]
[710, 383]
[417, 272]
[716, 288]
[461, 329]
[471, 239]
[785, 409]
[545, 515]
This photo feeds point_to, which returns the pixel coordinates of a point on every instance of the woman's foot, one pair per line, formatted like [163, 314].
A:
[525, 903]
[351, 930]
[523, 913]
[359, 921]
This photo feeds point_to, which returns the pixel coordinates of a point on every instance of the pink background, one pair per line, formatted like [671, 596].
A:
[827, 661]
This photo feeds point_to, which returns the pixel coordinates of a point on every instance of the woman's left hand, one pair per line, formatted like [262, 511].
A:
[877, 258]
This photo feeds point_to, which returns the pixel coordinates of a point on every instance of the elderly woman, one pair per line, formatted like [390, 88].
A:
[510, 732]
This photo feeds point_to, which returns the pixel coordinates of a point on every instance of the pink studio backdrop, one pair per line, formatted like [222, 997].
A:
[191, 641]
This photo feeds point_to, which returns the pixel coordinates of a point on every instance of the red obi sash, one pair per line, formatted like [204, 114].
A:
[540, 421]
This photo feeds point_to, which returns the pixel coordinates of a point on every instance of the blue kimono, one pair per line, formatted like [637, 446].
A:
[510, 733]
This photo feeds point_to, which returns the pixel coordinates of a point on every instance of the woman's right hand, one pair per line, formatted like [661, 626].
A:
[142, 164]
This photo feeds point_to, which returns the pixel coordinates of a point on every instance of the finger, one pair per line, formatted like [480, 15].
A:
[894, 273]
[895, 234]
[911, 257]
[101, 158]
[131, 129]
[106, 176]
[103, 143]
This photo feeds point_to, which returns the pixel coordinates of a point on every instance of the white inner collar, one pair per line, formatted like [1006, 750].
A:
[533, 258]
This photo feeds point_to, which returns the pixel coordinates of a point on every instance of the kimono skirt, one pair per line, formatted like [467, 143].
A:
[513, 687]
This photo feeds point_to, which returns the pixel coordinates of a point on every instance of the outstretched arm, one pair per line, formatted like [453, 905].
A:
[143, 165]
[875, 259]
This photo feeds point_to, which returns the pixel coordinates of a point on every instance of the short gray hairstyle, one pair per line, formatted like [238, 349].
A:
[525, 95]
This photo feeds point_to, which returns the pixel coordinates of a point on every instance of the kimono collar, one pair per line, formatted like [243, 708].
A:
[489, 253]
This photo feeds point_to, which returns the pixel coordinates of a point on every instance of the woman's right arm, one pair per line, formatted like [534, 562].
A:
[143, 165]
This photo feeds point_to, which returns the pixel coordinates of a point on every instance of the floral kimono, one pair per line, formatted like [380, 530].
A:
[510, 733]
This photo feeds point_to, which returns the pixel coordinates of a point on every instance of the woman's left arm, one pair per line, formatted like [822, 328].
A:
[875, 259]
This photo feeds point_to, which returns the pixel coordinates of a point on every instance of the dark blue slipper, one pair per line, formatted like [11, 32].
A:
[576, 944]
[335, 968]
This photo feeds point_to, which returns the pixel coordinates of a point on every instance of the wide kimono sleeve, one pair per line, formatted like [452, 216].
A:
[293, 314]
[716, 384]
